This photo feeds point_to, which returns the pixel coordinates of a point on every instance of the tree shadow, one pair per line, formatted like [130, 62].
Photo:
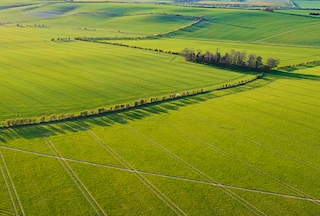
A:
[106, 120]
[119, 117]
[294, 75]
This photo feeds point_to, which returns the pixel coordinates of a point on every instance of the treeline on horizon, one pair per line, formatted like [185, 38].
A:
[234, 59]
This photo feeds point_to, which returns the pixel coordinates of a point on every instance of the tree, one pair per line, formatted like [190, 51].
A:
[251, 61]
[259, 62]
[188, 54]
[272, 62]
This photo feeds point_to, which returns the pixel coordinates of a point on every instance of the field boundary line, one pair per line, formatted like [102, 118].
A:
[174, 207]
[235, 158]
[165, 175]
[228, 192]
[12, 184]
[75, 179]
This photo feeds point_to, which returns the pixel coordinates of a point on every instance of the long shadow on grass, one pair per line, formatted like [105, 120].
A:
[294, 75]
[108, 120]
[119, 118]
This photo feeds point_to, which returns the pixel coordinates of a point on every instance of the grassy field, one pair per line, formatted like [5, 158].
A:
[249, 150]
[70, 80]
[287, 54]
[167, 159]
[307, 3]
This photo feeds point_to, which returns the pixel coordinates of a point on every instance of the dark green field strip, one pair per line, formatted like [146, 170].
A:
[51, 189]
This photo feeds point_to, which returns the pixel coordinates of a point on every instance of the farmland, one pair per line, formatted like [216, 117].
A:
[247, 150]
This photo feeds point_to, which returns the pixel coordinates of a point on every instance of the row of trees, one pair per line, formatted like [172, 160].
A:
[233, 59]
[95, 39]
[61, 39]
[70, 116]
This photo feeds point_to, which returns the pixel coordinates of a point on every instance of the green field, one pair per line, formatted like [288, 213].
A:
[248, 150]
[243, 138]
[308, 3]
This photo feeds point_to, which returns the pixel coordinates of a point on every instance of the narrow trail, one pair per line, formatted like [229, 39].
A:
[174, 207]
[83, 189]
[12, 186]
[164, 175]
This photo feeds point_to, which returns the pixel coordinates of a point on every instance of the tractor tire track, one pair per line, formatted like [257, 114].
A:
[245, 163]
[163, 175]
[228, 192]
[12, 186]
[85, 192]
[140, 177]
[9, 192]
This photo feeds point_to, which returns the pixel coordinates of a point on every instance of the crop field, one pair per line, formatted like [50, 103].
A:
[252, 149]
[36, 84]
[308, 3]
[230, 151]
[288, 54]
